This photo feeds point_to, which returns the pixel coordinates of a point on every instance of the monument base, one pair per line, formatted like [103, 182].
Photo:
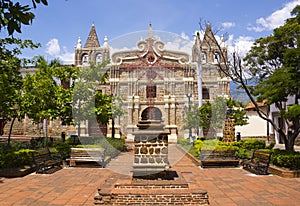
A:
[169, 188]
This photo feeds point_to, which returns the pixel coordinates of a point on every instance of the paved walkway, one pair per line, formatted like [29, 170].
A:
[78, 185]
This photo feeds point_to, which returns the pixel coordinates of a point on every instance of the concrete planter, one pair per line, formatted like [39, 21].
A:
[283, 172]
[16, 172]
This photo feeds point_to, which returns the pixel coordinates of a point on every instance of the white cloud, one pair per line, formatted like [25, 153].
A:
[240, 45]
[180, 44]
[276, 19]
[53, 49]
[184, 36]
[227, 25]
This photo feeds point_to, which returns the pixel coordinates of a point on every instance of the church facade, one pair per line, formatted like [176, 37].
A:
[155, 83]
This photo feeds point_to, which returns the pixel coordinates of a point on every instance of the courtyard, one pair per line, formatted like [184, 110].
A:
[78, 185]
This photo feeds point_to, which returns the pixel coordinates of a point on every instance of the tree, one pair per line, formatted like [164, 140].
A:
[11, 80]
[197, 117]
[211, 116]
[273, 62]
[86, 91]
[40, 91]
[13, 15]
[116, 111]
[66, 75]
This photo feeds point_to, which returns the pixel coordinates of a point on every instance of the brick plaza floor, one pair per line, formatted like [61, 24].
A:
[78, 185]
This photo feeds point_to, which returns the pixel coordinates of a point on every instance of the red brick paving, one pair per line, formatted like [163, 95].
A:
[78, 185]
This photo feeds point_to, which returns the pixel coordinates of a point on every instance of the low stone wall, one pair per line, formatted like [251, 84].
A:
[127, 191]
[153, 197]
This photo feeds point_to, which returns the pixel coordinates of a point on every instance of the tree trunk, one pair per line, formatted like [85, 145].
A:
[113, 127]
[289, 142]
[2, 125]
[10, 131]
[78, 130]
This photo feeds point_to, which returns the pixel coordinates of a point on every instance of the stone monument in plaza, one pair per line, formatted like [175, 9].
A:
[150, 147]
[152, 182]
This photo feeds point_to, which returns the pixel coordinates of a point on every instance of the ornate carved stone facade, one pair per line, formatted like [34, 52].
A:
[158, 83]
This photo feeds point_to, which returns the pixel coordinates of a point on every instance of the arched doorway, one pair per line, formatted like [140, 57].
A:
[151, 113]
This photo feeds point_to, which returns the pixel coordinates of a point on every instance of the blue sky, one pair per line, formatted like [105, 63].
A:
[58, 25]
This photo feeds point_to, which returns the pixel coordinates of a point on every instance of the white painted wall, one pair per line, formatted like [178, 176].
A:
[256, 127]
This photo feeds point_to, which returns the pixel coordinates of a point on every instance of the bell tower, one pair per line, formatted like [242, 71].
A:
[212, 56]
[92, 50]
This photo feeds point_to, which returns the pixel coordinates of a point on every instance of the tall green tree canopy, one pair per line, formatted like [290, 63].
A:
[40, 92]
[89, 103]
[14, 14]
[274, 61]
[12, 17]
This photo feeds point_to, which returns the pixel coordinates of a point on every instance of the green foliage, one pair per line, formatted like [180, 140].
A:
[64, 150]
[88, 102]
[187, 146]
[39, 92]
[271, 146]
[48, 93]
[242, 153]
[196, 117]
[11, 79]
[41, 142]
[218, 112]
[253, 144]
[16, 159]
[292, 112]
[245, 148]
[286, 159]
[103, 107]
[183, 142]
[13, 15]
[209, 144]
[274, 62]
[212, 115]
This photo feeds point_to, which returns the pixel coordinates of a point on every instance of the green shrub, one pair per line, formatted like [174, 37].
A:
[63, 150]
[114, 146]
[209, 144]
[271, 145]
[253, 144]
[41, 142]
[242, 153]
[184, 142]
[286, 159]
[118, 144]
[197, 146]
[16, 159]
[237, 144]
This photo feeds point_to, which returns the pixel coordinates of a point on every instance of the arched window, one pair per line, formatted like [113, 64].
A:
[99, 59]
[203, 57]
[216, 58]
[85, 60]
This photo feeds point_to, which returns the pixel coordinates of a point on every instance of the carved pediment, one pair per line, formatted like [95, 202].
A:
[150, 52]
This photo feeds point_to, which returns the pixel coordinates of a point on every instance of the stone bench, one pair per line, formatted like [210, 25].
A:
[87, 155]
[221, 157]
